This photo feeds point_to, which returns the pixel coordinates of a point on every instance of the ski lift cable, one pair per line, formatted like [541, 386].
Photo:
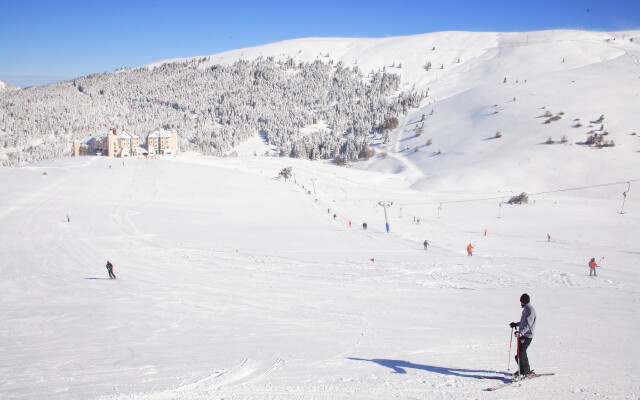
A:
[530, 194]
[589, 187]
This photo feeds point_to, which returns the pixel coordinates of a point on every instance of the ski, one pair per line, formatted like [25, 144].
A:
[491, 389]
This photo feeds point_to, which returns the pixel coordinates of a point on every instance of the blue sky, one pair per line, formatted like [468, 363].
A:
[46, 41]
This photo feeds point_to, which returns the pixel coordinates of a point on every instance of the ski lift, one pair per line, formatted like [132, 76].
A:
[624, 194]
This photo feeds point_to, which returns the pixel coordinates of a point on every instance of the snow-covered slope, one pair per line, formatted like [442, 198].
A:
[483, 83]
[233, 284]
[4, 87]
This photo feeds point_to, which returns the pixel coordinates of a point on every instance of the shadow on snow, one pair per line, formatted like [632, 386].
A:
[400, 366]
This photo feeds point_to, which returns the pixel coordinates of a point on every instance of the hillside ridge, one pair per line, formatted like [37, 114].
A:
[468, 104]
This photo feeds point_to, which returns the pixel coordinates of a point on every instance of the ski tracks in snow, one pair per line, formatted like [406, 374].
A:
[218, 384]
[634, 58]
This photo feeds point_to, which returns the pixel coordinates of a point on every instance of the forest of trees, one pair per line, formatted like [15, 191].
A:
[212, 109]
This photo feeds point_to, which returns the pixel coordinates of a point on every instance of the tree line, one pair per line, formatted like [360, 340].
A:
[212, 108]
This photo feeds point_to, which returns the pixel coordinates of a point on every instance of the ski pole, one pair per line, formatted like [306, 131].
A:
[518, 343]
[510, 342]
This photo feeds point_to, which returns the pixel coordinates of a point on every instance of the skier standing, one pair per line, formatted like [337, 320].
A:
[469, 250]
[526, 328]
[592, 267]
[110, 269]
[426, 244]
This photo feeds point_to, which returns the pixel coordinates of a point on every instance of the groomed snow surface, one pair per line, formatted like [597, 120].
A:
[233, 284]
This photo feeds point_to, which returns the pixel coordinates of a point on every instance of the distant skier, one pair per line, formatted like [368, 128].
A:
[364, 226]
[469, 250]
[426, 244]
[592, 267]
[485, 231]
[548, 237]
[68, 219]
[110, 269]
[526, 328]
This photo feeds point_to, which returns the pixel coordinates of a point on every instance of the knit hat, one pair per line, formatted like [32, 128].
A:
[524, 299]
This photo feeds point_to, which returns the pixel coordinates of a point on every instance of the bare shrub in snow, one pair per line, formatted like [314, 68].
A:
[366, 154]
[340, 161]
[553, 119]
[286, 173]
[522, 198]
[391, 124]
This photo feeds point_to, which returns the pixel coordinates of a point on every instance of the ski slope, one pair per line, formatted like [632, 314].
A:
[233, 284]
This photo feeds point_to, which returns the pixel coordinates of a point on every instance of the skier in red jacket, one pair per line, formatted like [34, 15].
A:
[592, 267]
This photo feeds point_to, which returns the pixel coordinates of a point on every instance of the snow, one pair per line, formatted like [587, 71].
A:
[234, 284]
[5, 87]
[580, 74]
[255, 146]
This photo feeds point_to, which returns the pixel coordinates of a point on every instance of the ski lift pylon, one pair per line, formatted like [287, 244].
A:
[624, 195]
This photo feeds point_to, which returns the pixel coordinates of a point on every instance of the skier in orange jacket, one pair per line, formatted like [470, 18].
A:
[469, 250]
[592, 267]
